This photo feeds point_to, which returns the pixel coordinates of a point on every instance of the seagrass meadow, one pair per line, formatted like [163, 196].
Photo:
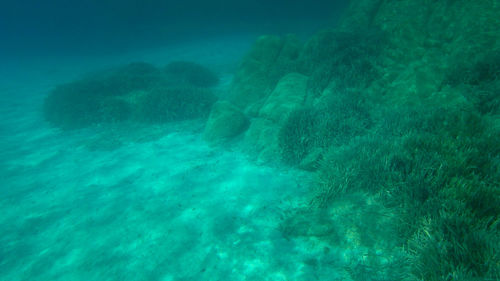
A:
[397, 113]
[362, 148]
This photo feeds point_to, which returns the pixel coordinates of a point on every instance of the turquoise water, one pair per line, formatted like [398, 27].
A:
[97, 204]
[250, 140]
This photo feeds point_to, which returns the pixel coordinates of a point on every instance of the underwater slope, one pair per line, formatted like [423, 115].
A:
[397, 111]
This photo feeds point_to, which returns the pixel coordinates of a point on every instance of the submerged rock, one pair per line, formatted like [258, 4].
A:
[289, 94]
[261, 140]
[225, 122]
[269, 60]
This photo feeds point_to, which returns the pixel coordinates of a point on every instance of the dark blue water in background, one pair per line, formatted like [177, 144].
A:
[56, 27]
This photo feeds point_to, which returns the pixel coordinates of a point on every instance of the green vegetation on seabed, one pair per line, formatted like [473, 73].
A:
[397, 111]
[137, 92]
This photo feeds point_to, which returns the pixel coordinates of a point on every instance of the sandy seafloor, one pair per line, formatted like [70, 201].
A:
[87, 205]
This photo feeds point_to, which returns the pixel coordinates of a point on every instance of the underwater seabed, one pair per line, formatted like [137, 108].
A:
[153, 203]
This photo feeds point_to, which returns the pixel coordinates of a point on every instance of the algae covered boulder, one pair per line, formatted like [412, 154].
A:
[225, 122]
[262, 137]
[269, 60]
[261, 140]
[289, 94]
[137, 92]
